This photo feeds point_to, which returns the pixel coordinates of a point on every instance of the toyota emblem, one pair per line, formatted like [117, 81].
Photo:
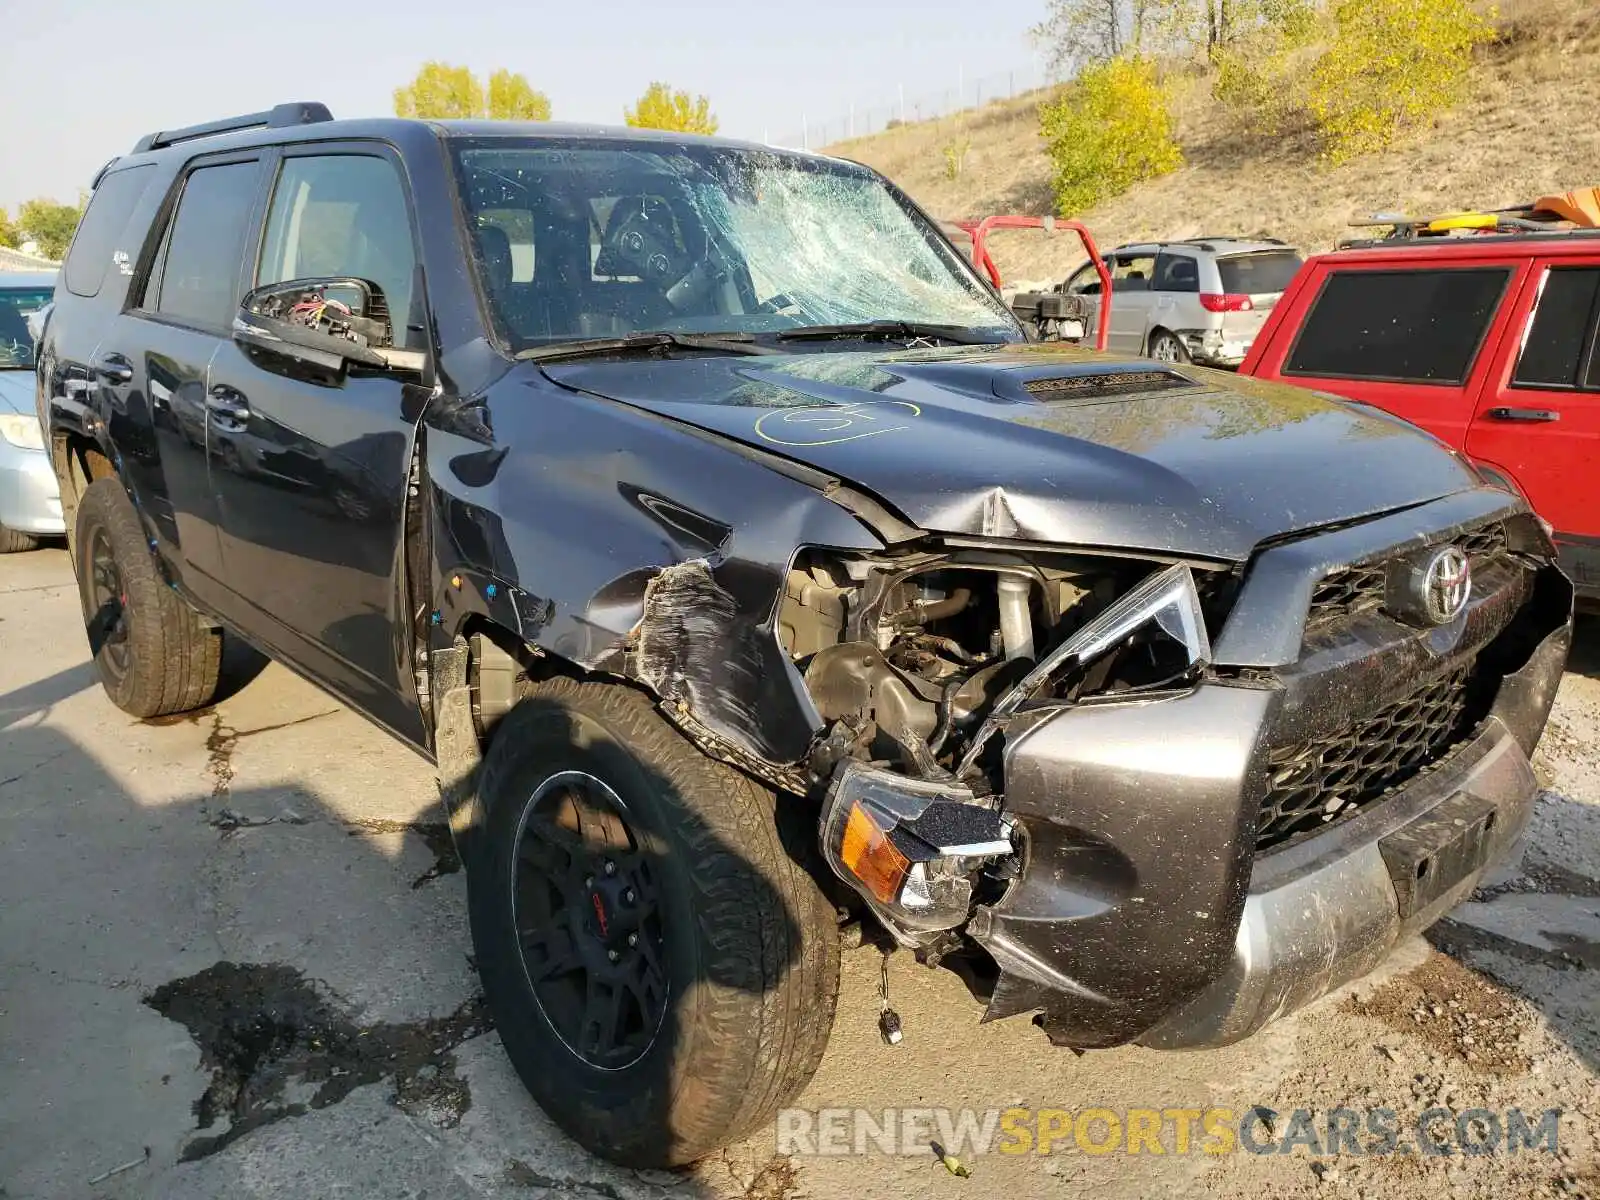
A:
[1446, 585]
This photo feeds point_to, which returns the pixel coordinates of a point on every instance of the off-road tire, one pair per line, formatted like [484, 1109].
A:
[14, 541]
[172, 657]
[751, 944]
[1177, 352]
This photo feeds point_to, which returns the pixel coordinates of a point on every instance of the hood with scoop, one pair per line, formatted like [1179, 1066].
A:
[1052, 444]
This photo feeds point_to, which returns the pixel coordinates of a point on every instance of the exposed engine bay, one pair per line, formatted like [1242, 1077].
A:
[919, 664]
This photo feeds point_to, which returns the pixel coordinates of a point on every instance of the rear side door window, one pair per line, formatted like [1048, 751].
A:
[1559, 351]
[1399, 326]
[196, 280]
[1177, 273]
[1132, 272]
[343, 215]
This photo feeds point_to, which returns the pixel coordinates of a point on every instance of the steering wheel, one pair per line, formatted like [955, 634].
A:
[642, 244]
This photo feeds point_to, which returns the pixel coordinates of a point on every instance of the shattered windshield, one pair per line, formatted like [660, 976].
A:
[16, 341]
[577, 240]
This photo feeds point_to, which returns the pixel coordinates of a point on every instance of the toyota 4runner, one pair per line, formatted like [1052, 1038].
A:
[712, 526]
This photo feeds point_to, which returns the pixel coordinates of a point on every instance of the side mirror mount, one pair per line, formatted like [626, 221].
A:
[329, 322]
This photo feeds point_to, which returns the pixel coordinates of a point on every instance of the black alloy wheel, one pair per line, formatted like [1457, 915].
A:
[108, 622]
[586, 907]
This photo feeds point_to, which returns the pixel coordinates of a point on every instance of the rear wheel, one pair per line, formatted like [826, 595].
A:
[14, 541]
[1165, 347]
[662, 973]
[153, 652]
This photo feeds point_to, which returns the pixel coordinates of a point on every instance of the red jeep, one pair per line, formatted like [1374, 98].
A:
[1487, 341]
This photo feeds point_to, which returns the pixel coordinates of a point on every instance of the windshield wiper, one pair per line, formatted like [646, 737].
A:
[887, 329]
[724, 343]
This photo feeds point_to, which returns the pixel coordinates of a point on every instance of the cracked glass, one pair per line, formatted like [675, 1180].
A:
[603, 239]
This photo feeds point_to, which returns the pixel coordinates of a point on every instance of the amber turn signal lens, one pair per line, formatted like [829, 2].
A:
[871, 857]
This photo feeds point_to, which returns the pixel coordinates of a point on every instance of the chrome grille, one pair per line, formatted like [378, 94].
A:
[1323, 779]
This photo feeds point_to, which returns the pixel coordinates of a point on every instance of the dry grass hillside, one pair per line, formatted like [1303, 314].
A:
[1528, 129]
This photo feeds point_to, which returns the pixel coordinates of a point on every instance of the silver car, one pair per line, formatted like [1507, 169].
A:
[30, 504]
[1200, 300]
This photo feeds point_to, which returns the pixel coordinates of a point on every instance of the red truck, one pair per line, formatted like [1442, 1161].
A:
[1487, 339]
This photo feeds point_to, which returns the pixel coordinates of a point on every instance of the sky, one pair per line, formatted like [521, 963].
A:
[82, 80]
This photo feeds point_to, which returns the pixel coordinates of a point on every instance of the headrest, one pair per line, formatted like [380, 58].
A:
[495, 247]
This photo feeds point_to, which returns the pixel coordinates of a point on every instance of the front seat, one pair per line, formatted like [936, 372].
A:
[516, 307]
[494, 248]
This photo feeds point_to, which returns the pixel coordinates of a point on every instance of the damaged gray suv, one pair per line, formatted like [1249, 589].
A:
[715, 530]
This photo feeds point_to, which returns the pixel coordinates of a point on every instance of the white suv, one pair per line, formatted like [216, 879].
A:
[1201, 300]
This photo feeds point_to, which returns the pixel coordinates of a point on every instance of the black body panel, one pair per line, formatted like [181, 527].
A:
[956, 441]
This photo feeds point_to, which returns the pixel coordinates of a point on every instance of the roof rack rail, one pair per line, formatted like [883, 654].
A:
[279, 117]
[1229, 237]
[1203, 243]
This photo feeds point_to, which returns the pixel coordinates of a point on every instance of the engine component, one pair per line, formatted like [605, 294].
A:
[1016, 623]
[1167, 603]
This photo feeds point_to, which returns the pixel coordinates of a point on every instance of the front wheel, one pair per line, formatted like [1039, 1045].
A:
[1165, 347]
[661, 972]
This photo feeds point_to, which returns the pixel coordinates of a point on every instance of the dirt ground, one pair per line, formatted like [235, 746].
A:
[233, 962]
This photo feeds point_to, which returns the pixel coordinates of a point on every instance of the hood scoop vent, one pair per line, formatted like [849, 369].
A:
[1100, 385]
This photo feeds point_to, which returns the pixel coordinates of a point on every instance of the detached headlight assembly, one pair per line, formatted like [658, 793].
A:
[909, 846]
[1164, 609]
[22, 430]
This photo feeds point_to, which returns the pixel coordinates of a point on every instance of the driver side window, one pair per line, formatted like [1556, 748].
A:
[343, 214]
[1084, 282]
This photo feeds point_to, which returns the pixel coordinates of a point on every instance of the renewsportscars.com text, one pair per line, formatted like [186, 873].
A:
[1433, 1132]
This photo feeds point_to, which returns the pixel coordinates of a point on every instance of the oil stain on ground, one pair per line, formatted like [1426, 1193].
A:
[278, 1045]
[435, 834]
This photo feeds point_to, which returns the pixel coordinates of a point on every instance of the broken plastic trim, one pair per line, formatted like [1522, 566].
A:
[908, 846]
[1167, 599]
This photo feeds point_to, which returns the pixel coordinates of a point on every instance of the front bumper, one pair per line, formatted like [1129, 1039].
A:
[1322, 913]
[1142, 912]
[30, 499]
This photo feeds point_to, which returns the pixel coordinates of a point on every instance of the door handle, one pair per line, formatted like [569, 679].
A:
[114, 368]
[1523, 414]
[228, 403]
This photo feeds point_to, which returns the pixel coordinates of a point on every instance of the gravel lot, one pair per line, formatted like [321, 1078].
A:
[233, 962]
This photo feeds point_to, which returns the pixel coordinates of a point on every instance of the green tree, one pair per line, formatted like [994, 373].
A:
[8, 231]
[662, 108]
[512, 98]
[1110, 129]
[440, 92]
[1393, 63]
[50, 223]
[1076, 33]
[443, 92]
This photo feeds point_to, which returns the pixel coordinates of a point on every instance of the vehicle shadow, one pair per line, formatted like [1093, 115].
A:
[302, 954]
[1526, 933]
[1585, 656]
